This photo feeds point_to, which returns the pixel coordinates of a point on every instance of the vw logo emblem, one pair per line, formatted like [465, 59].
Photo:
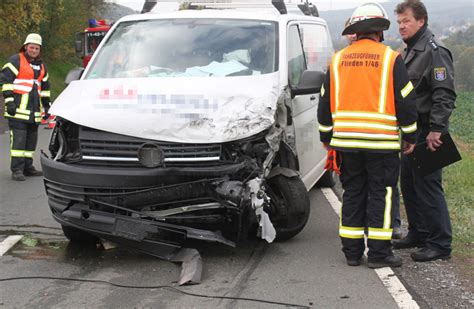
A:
[150, 155]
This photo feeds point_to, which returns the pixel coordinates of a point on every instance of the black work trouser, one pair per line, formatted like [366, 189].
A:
[426, 207]
[369, 181]
[397, 222]
[23, 139]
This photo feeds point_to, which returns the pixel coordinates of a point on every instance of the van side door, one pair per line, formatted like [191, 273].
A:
[304, 107]
[318, 50]
[302, 52]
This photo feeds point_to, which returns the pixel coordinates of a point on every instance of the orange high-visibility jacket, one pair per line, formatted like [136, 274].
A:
[362, 97]
[18, 79]
[26, 77]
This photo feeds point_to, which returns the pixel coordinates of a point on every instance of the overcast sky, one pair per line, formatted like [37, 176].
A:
[323, 5]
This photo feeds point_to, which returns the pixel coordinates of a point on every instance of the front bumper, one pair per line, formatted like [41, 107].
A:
[126, 177]
[119, 203]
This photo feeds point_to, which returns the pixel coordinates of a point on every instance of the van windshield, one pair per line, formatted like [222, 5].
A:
[188, 48]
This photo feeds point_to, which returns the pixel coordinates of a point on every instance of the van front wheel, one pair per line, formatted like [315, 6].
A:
[289, 206]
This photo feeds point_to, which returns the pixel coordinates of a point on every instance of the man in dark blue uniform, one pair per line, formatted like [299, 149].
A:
[430, 69]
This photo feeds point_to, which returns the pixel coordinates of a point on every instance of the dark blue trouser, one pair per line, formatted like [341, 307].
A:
[427, 210]
[369, 181]
[23, 140]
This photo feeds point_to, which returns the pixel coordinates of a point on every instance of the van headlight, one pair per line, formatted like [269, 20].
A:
[255, 147]
[64, 141]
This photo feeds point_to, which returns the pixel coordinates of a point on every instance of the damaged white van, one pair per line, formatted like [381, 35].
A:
[194, 124]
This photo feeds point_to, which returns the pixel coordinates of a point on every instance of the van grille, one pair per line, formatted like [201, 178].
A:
[105, 148]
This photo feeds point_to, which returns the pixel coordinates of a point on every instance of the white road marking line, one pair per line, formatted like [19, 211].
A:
[391, 282]
[333, 200]
[9, 242]
[396, 288]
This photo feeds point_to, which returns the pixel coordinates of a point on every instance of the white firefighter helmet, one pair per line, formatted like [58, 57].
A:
[33, 38]
[368, 17]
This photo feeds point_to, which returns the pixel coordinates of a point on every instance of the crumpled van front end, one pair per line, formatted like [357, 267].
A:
[164, 140]
[126, 170]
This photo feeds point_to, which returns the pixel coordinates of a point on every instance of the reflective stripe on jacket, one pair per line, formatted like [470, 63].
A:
[362, 97]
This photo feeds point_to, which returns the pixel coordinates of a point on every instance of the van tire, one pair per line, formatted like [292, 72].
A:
[288, 195]
[78, 236]
[328, 180]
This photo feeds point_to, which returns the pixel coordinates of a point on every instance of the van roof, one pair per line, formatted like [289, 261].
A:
[269, 14]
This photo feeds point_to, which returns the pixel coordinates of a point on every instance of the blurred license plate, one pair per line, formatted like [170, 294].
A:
[130, 229]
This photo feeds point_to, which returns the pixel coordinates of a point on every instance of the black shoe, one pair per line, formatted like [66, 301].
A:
[353, 262]
[18, 176]
[408, 242]
[397, 233]
[389, 261]
[429, 254]
[32, 171]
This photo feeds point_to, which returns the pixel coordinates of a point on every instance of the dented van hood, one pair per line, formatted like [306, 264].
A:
[188, 110]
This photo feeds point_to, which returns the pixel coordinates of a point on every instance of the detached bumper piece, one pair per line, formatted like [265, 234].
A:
[156, 238]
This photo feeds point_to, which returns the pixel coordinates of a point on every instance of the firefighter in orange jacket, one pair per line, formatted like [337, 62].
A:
[24, 81]
[365, 102]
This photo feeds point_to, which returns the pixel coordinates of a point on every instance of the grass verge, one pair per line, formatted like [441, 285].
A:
[459, 181]
[57, 73]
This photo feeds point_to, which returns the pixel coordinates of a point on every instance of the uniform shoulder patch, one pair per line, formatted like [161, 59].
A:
[440, 73]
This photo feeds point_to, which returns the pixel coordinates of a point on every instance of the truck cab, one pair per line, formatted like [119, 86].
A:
[87, 41]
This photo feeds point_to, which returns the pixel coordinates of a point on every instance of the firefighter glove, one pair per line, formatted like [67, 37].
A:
[11, 108]
[333, 161]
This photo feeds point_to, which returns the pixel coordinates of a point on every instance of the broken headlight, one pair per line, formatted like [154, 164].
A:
[64, 141]
[254, 147]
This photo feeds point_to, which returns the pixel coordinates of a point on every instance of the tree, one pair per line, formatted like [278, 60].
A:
[464, 69]
[55, 20]
[461, 45]
[17, 19]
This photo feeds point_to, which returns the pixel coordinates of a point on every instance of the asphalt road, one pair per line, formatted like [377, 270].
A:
[308, 270]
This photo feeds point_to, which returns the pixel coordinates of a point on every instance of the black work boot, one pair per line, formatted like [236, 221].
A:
[18, 176]
[353, 262]
[409, 241]
[388, 261]
[429, 254]
[32, 171]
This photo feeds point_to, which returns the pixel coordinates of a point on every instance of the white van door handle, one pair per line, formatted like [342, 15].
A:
[312, 98]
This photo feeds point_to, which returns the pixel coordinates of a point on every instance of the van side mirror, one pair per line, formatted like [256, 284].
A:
[310, 83]
[74, 74]
[78, 46]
